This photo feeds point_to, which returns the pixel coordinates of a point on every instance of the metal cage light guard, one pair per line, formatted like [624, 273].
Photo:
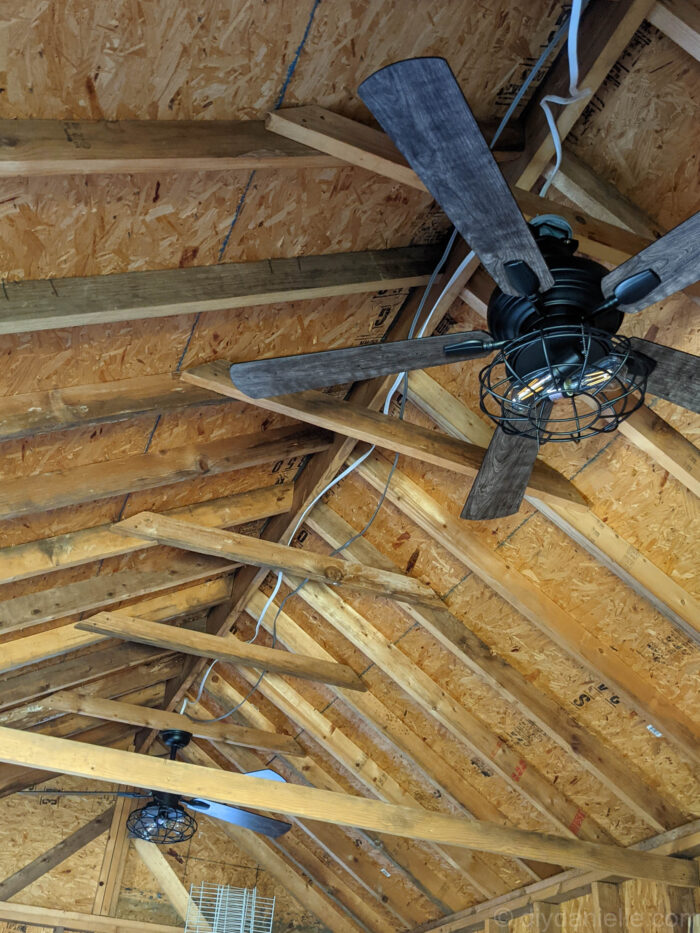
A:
[586, 383]
[162, 821]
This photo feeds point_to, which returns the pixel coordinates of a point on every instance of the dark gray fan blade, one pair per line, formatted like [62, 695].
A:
[500, 484]
[262, 378]
[259, 824]
[675, 258]
[421, 106]
[675, 375]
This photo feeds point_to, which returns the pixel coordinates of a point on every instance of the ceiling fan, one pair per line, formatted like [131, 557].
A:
[165, 819]
[560, 372]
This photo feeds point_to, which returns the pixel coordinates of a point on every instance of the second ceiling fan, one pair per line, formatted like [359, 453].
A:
[560, 372]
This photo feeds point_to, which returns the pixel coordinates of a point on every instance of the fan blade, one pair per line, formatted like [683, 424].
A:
[675, 258]
[263, 378]
[421, 106]
[500, 484]
[259, 824]
[675, 375]
[267, 775]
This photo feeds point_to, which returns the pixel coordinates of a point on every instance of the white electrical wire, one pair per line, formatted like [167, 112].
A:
[574, 93]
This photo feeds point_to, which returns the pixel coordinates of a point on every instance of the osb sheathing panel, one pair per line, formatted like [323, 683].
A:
[654, 161]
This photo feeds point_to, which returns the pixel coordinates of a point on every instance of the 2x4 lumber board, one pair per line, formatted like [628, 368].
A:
[131, 296]
[519, 774]
[349, 141]
[559, 888]
[372, 149]
[494, 925]
[259, 553]
[544, 916]
[37, 413]
[680, 21]
[513, 687]
[607, 27]
[112, 765]
[169, 883]
[228, 733]
[113, 859]
[230, 650]
[42, 492]
[525, 596]
[119, 587]
[607, 911]
[58, 853]
[343, 417]
[583, 527]
[81, 147]
[74, 920]
[98, 543]
[43, 646]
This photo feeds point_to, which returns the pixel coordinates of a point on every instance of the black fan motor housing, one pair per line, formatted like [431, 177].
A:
[575, 295]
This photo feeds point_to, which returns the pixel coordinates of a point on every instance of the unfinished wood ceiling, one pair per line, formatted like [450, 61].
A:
[549, 678]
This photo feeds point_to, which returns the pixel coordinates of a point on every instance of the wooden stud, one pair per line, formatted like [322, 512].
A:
[671, 450]
[114, 711]
[114, 859]
[91, 544]
[413, 440]
[169, 883]
[74, 920]
[680, 21]
[494, 925]
[60, 488]
[540, 609]
[545, 917]
[230, 649]
[54, 856]
[132, 296]
[267, 554]
[607, 908]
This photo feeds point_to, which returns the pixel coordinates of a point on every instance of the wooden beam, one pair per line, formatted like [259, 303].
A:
[525, 596]
[363, 424]
[35, 413]
[68, 638]
[607, 912]
[132, 296]
[54, 856]
[114, 711]
[36, 558]
[583, 527]
[508, 683]
[372, 149]
[607, 26]
[230, 649]
[77, 147]
[544, 916]
[39, 493]
[122, 586]
[169, 883]
[259, 553]
[114, 859]
[107, 764]
[680, 21]
[559, 888]
[74, 920]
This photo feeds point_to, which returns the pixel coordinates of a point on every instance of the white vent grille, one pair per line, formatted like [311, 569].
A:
[216, 908]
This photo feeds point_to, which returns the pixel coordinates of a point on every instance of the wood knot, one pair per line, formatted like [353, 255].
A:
[334, 574]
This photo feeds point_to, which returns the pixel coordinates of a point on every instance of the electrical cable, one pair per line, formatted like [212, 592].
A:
[571, 24]
[575, 94]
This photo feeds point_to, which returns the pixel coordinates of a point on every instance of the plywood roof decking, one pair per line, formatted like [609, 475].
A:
[392, 743]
